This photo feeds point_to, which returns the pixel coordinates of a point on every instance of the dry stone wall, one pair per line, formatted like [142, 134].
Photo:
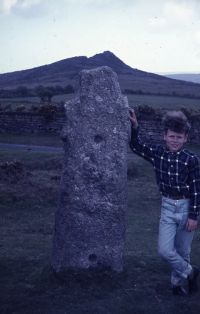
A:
[37, 123]
[30, 123]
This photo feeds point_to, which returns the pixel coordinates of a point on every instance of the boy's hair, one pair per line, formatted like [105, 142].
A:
[176, 121]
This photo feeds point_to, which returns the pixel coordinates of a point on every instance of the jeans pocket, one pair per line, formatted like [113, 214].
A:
[184, 220]
[166, 204]
[165, 215]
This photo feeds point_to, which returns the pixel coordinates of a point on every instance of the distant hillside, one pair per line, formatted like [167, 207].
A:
[186, 77]
[66, 71]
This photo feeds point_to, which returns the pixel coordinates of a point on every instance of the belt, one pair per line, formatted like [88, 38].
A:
[175, 196]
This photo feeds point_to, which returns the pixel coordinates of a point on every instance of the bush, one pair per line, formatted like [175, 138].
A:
[48, 111]
[20, 108]
[34, 108]
[12, 171]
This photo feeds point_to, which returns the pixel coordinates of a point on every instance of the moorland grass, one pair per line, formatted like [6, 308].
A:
[31, 139]
[154, 101]
[27, 283]
[33, 160]
[164, 102]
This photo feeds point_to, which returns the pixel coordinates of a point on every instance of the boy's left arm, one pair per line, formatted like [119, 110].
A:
[194, 186]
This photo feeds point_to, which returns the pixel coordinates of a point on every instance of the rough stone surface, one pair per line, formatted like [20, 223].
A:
[90, 220]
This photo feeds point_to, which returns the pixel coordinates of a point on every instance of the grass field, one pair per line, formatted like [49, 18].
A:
[164, 102]
[161, 102]
[29, 101]
[28, 203]
[31, 139]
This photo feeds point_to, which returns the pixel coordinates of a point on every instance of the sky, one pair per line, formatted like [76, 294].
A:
[158, 36]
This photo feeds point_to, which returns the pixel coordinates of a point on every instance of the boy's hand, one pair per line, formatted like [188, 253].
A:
[191, 224]
[133, 118]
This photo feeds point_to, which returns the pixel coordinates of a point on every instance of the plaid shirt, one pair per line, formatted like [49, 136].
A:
[177, 173]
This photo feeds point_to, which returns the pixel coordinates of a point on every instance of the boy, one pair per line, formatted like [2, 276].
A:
[178, 177]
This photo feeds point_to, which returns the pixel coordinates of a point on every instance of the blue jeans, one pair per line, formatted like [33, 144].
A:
[174, 241]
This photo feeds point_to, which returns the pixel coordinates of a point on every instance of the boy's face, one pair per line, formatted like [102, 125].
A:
[174, 140]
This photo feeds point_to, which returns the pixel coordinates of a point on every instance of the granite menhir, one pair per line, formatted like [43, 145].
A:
[90, 220]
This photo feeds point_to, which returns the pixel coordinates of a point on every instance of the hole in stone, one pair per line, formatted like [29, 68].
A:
[92, 257]
[98, 138]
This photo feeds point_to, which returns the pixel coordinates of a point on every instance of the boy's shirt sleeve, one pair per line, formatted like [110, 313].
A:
[144, 150]
[194, 187]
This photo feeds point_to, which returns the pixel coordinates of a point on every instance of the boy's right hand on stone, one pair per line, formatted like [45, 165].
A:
[133, 118]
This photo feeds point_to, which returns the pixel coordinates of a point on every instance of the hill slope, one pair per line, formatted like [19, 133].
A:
[66, 71]
[186, 77]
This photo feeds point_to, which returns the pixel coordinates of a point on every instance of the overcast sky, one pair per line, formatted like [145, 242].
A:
[151, 35]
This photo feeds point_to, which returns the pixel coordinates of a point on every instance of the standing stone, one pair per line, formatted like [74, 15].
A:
[90, 220]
